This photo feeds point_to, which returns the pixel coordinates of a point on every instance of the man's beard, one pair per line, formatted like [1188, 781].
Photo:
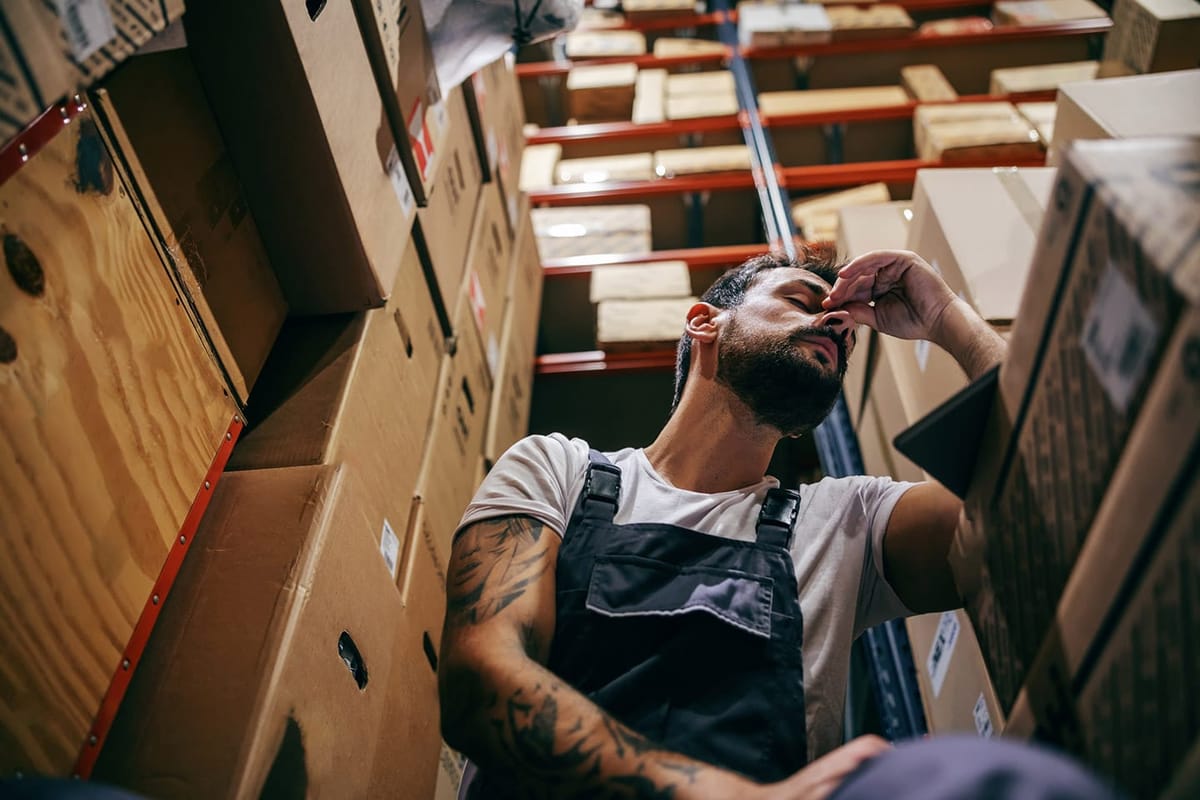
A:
[782, 386]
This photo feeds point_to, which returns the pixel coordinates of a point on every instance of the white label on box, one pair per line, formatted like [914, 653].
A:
[922, 350]
[493, 149]
[493, 354]
[942, 650]
[400, 185]
[88, 25]
[983, 720]
[1119, 338]
[389, 545]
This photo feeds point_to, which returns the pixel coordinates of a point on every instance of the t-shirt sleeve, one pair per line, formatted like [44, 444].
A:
[538, 476]
[877, 600]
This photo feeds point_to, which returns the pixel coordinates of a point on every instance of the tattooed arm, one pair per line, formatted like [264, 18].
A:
[511, 715]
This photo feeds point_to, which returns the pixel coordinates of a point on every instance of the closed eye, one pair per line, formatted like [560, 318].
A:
[804, 305]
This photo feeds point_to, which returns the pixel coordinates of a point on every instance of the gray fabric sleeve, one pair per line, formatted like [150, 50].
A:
[877, 600]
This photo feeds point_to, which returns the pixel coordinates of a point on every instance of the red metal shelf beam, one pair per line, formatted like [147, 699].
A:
[696, 258]
[826, 176]
[601, 363]
[1008, 33]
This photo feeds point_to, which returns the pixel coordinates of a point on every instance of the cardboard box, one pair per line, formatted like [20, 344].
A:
[497, 115]
[956, 691]
[884, 402]
[875, 452]
[646, 324]
[508, 418]
[591, 230]
[1041, 78]
[714, 82]
[317, 134]
[695, 106]
[593, 19]
[1154, 35]
[112, 412]
[982, 139]
[283, 656]
[488, 275]
[782, 104]
[602, 169]
[1078, 367]
[640, 281]
[650, 96]
[334, 386]
[667, 47]
[977, 228]
[1041, 116]
[44, 58]
[397, 44]
[817, 217]
[601, 93]
[1128, 108]
[878, 21]
[764, 24]
[951, 114]
[605, 44]
[657, 9]
[525, 282]
[159, 123]
[448, 472]
[1043, 12]
[538, 166]
[927, 84]
[698, 160]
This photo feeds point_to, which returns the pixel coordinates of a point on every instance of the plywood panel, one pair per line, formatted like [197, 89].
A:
[110, 412]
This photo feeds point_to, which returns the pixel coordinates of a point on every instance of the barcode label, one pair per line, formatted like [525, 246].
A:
[1119, 338]
[983, 720]
[400, 185]
[922, 352]
[389, 546]
[942, 650]
[88, 25]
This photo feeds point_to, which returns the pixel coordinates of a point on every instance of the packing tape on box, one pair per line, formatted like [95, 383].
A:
[1022, 196]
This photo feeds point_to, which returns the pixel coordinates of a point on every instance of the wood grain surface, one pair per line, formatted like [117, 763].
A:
[110, 412]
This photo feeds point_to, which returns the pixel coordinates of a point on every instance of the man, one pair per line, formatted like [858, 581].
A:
[665, 622]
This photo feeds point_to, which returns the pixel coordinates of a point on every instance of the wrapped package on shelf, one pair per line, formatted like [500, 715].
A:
[539, 164]
[644, 324]
[640, 281]
[974, 131]
[1154, 35]
[605, 44]
[713, 83]
[816, 218]
[697, 160]
[1044, 12]
[764, 24]
[1041, 116]
[1043, 77]
[927, 84]
[955, 26]
[701, 94]
[591, 230]
[657, 9]
[601, 93]
[878, 21]
[667, 47]
[602, 169]
[600, 19]
[650, 96]
[814, 101]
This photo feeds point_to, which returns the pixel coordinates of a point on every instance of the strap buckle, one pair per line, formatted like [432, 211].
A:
[778, 516]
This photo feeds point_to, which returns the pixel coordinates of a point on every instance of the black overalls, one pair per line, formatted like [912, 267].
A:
[690, 639]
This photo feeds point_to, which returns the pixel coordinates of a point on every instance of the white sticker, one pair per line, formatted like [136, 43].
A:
[400, 185]
[1119, 338]
[983, 720]
[478, 303]
[922, 350]
[88, 25]
[938, 662]
[493, 149]
[389, 545]
[493, 354]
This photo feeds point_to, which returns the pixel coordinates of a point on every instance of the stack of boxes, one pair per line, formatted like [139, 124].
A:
[343, 257]
[641, 306]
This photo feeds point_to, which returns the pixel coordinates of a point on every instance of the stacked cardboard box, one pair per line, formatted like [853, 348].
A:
[878, 21]
[970, 131]
[1041, 78]
[806, 144]
[605, 44]
[601, 93]
[602, 169]
[956, 692]
[494, 104]
[927, 84]
[650, 96]
[816, 218]
[1154, 35]
[701, 94]
[637, 10]
[539, 163]
[592, 230]
[1041, 116]
[666, 47]
[697, 160]
[1043, 12]
[641, 306]
[765, 24]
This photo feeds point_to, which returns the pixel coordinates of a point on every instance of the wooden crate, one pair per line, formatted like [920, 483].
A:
[111, 410]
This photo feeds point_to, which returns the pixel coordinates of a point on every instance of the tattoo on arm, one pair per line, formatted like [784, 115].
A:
[499, 559]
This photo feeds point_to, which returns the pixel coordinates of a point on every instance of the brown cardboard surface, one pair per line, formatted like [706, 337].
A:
[667, 47]
[1041, 116]
[495, 99]
[820, 213]
[883, 402]
[933, 115]
[1127, 108]
[488, 276]
[21, 96]
[1042, 12]
[643, 324]
[316, 134]
[602, 93]
[112, 411]
[637, 281]
[695, 106]
[456, 440]
[819, 100]
[714, 82]
[605, 44]
[525, 286]
[159, 121]
[880, 20]
[1042, 77]
[978, 227]
[955, 688]
[332, 389]
[508, 418]
[588, 230]
[1154, 35]
[697, 160]
[247, 687]
[601, 169]
[401, 56]
[451, 208]
[973, 140]
[657, 9]
[876, 454]
[925, 82]
[766, 24]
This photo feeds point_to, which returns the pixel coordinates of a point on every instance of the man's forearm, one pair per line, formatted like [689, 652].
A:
[548, 740]
[967, 337]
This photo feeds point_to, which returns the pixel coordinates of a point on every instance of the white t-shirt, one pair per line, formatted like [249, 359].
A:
[837, 546]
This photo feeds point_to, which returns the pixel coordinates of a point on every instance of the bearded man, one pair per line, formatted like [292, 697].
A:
[667, 621]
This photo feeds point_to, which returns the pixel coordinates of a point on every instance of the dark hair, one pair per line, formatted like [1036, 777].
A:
[730, 289]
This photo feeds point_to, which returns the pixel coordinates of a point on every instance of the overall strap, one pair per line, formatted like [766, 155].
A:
[601, 489]
[778, 517]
